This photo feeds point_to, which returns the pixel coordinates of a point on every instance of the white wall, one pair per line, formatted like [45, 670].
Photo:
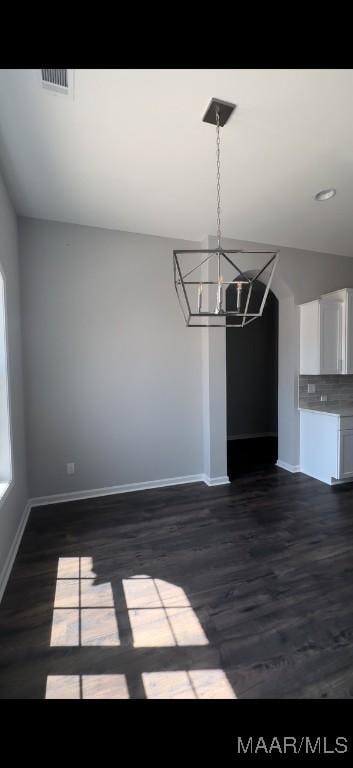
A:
[13, 504]
[113, 377]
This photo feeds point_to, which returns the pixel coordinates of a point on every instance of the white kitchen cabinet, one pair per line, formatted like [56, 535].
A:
[326, 446]
[309, 338]
[326, 334]
[318, 445]
[321, 337]
[345, 459]
[331, 340]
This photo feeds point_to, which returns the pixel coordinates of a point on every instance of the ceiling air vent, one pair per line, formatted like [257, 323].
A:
[57, 79]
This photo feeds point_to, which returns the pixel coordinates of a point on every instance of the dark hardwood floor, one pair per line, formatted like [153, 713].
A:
[247, 592]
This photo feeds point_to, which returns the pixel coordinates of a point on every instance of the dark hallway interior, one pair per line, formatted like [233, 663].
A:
[252, 387]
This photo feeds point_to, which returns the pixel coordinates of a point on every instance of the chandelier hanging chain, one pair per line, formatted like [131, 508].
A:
[218, 154]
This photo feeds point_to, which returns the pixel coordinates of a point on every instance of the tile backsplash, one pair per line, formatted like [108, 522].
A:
[339, 390]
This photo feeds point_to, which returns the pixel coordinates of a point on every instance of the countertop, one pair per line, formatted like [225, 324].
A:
[334, 410]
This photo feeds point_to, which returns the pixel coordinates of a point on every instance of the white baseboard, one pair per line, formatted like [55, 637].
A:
[111, 490]
[216, 480]
[4, 577]
[289, 467]
[328, 480]
[321, 478]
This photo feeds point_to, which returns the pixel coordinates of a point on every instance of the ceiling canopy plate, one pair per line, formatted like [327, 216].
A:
[224, 108]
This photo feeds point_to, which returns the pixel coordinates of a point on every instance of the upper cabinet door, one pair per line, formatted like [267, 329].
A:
[323, 337]
[331, 336]
[310, 338]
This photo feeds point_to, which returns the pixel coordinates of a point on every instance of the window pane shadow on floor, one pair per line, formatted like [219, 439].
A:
[137, 612]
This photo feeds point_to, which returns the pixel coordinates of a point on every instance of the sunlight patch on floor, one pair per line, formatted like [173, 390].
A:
[84, 612]
[157, 614]
[191, 684]
[160, 614]
[86, 687]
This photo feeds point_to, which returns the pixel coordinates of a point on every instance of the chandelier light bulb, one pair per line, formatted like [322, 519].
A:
[239, 287]
[219, 304]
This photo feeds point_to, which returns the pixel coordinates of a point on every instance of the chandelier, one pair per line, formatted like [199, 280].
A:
[213, 291]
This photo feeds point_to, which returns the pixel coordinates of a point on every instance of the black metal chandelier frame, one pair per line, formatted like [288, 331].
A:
[243, 285]
[217, 113]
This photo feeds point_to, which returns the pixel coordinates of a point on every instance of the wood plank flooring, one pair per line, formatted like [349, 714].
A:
[238, 591]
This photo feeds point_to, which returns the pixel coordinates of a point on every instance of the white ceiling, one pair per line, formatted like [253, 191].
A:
[130, 151]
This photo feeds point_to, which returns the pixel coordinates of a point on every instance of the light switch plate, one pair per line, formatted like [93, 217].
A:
[311, 388]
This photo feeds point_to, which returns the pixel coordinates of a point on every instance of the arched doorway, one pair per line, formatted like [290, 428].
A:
[252, 386]
[213, 349]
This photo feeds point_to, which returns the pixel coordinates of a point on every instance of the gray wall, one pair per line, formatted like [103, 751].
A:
[214, 426]
[114, 380]
[113, 377]
[13, 504]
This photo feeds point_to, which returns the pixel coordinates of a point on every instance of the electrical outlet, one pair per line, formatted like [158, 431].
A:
[70, 468]
[323, 398]
[311, 388]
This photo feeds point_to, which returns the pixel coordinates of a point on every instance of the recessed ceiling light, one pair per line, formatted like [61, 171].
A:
[325, 194]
